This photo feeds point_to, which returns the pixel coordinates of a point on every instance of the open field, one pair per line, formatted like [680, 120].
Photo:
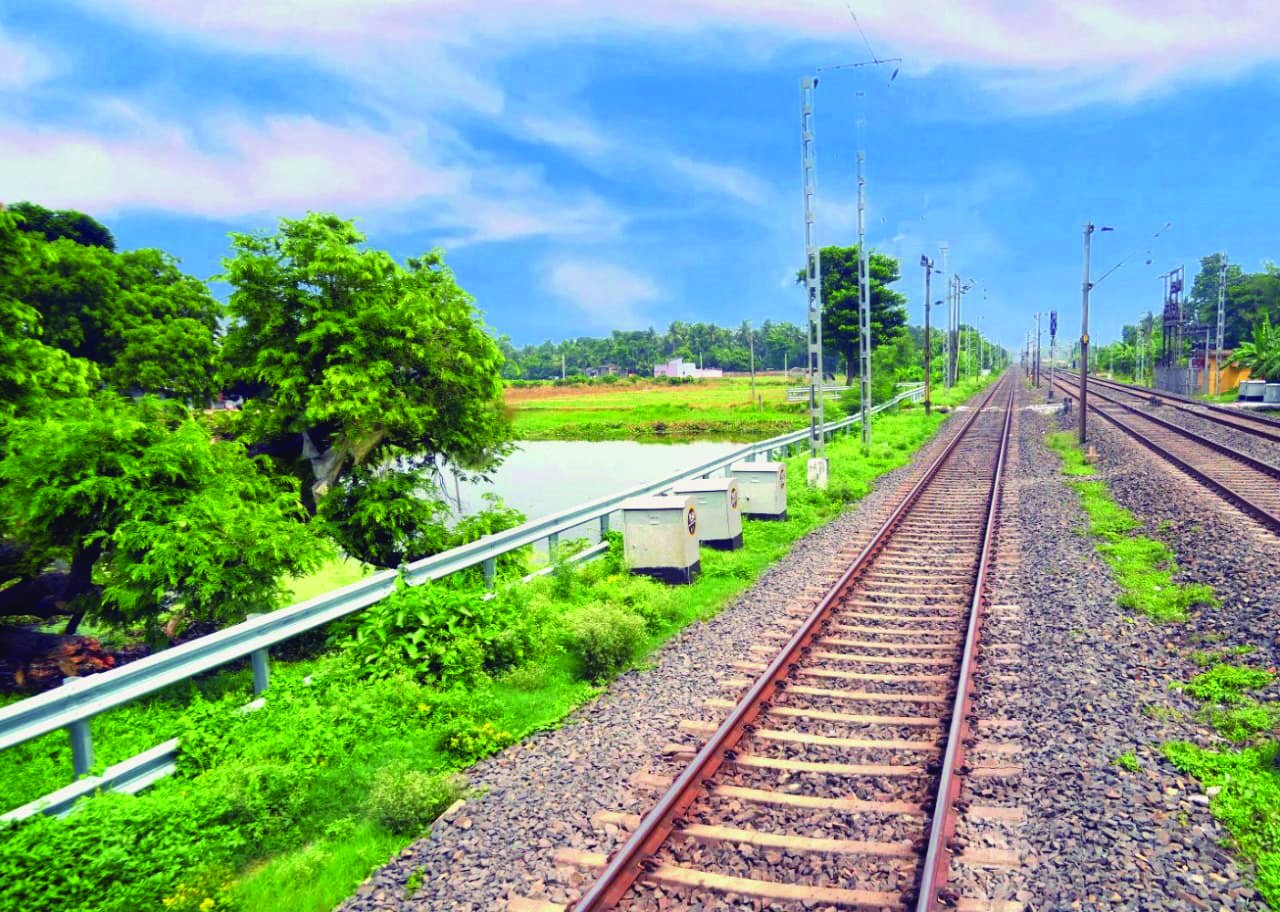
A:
[704, 409]
[645, 410]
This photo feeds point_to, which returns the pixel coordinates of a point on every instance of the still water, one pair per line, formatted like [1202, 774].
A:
[546, 476]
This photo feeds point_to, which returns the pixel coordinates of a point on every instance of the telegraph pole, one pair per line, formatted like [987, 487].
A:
[1037, 349]
[864, 300]
[1084, 334]
[928, 342]
[1222, 319]
[813, 285]
[945, 249]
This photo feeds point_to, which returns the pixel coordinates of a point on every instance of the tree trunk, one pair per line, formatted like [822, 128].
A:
[80, 581]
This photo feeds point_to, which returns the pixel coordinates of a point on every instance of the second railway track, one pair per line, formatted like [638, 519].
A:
[1248, 483]
[834, 780]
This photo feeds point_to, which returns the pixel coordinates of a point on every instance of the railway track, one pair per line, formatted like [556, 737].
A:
[1248, 483]
[835, 779]
[1236, 419]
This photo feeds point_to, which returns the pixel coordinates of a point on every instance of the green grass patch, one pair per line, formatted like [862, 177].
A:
[291, 806]
[1247, 779]
[1073, 458]
[1144, 568]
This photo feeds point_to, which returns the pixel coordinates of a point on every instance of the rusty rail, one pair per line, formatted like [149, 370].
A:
[937, 861]
[1268, 518]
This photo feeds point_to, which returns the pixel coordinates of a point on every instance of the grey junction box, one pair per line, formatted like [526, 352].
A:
[660, 537]
[719, 512]
[763, 488]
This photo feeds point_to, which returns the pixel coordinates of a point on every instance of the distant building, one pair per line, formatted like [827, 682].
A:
[678, 367]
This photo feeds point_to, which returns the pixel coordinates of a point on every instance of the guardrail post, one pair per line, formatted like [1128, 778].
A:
[553, 545]
[81, 740]
[490, 568]
[604, 526]
[261, 667]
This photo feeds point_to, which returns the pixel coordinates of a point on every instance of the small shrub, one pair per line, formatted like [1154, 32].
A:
[406, 800]
[603, 639]
[469, 740]
[1128, 761]
[1227, 683]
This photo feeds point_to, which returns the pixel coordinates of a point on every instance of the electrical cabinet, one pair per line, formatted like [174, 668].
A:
[719, 510]
[762, 488]
[660, 537]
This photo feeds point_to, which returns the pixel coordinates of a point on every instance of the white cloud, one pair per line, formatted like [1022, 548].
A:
[22, 65]
[1046, 53]
[607, 296]
[287, 164]
[728, 180]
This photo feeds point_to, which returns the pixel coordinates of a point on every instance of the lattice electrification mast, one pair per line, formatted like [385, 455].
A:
[812, 273]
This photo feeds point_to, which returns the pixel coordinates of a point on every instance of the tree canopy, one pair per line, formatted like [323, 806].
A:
[841, 307]
[63, 223]
[355, 362]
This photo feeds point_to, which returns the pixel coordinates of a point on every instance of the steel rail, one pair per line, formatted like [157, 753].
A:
[1262, 514]
[1262, 427]
[937, 862]
[626, 865]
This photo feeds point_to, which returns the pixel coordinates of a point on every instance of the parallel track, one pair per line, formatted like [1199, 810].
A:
[857, 729]
[1249, 484]
[1236, 419]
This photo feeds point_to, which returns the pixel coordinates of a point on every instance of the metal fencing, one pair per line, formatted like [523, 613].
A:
[73, 705]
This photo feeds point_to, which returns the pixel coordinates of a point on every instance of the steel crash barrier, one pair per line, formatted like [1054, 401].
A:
[72, 706]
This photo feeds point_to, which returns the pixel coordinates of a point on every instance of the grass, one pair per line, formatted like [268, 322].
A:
[1143, 568]
[1128, 761]
[645, 410]
[1246, 780]
[291, 806]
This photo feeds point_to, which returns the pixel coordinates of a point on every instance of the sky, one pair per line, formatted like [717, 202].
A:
[589, 165]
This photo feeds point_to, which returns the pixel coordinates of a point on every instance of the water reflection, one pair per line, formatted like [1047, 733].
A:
[546, 476]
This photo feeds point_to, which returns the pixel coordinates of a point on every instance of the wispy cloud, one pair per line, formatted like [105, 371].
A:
[605, 295]
[728, 180]
[285, 164]
[1047, 52]
[23, 64]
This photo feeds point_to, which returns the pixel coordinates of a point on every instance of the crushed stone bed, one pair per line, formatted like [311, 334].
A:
[1095, 836]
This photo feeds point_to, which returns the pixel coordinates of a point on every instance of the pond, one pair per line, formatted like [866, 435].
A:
[546, 476]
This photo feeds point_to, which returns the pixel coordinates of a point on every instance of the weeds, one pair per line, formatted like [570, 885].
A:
[1128, 761]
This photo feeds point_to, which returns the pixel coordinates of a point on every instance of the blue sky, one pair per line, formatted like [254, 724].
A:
[596, 165]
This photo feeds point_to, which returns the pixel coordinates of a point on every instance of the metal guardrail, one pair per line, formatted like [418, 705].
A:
[797, 393]
[71, 707]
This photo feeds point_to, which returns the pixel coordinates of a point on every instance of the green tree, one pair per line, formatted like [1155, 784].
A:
[356, 362]
[30, 372]
[150, 512]
[63, 223]
[841, 311]
[1261, 354]
[94, 304]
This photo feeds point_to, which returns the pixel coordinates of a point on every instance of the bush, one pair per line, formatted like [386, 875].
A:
[603, 639]
[405, 800]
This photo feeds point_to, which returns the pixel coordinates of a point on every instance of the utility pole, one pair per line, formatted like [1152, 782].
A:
[945, 250]
[864, 301]
[1084, 334]
[928, 342]
[751, 340]
[1053, 333]
[813, 285]
[561, 366]
[1222, 320]
[1037, 349]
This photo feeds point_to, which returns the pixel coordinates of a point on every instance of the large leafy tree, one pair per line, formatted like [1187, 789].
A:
[362, 374]
[841, 307]
[149, 511]
[1261, 354]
